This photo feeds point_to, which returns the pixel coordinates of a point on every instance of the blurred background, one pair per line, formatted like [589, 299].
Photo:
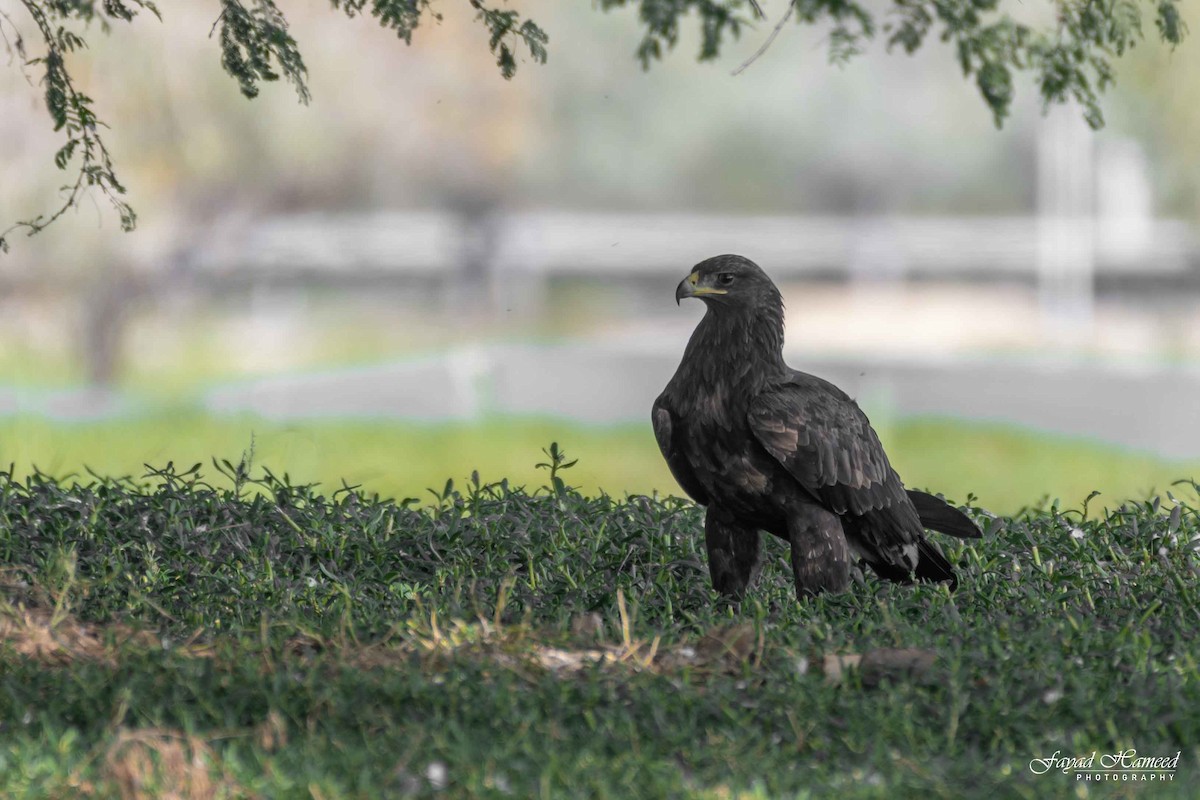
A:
[430, 270]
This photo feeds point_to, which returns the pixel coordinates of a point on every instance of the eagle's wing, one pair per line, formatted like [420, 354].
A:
[826, 443]
[666, 429]
[824, 440]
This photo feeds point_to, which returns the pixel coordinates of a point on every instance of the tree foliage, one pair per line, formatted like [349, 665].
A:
[1070, 56]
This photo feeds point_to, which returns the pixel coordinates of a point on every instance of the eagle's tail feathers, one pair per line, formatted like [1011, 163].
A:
[938, 515]
[932, 566]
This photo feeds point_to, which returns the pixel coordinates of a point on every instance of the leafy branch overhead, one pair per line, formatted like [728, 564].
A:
[1070, 56]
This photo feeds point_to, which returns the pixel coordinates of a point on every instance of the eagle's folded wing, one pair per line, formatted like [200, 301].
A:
[665, 432]
[826, 443]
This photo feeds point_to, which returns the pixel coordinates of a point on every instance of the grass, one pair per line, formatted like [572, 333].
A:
[163, 636]
[1006, 468]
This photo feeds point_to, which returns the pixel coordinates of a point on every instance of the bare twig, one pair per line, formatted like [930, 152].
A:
[778, 27]
[758, 12]
[16, 47]
[216, 22]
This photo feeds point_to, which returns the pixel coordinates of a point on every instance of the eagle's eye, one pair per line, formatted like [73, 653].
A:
[725, 278]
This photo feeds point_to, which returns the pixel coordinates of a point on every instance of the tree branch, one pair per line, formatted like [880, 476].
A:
[71, 111]
[765, 45]
[1071, 59]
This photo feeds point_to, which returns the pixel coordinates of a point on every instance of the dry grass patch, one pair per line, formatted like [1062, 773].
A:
[54, 637]
[51, 635]
[723, 649]
[161, 764]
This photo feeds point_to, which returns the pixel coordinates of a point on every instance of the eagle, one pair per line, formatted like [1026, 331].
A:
[765, 447]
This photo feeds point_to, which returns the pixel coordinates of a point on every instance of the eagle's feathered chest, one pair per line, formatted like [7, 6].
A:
[733, 356]
[712, 399]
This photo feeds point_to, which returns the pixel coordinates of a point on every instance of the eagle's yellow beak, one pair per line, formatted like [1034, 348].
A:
[690, 287]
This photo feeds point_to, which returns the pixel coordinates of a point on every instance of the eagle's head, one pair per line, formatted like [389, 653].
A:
[730, 283]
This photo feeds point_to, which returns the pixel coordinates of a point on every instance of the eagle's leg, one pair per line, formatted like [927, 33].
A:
[820, 555]
[732, 554]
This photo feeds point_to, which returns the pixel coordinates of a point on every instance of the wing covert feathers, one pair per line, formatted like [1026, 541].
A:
[665, 433]
[827, 444]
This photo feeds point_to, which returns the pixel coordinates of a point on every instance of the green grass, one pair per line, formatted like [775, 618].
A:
[1006, 468]
[307, 645]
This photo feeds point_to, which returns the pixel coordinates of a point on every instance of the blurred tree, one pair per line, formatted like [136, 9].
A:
[1070, 54]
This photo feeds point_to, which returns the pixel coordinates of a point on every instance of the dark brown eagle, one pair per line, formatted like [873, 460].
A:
[767, 448]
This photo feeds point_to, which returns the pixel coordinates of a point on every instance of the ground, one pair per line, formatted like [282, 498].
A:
[169, 637]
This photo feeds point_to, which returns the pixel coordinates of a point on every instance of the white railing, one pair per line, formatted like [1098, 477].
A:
[565, 244]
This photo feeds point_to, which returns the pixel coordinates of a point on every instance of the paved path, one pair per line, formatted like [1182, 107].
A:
[1143, 406]
[1149, 407]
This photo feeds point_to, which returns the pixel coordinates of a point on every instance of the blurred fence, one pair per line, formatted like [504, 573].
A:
[483, 258]
[513, 255]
